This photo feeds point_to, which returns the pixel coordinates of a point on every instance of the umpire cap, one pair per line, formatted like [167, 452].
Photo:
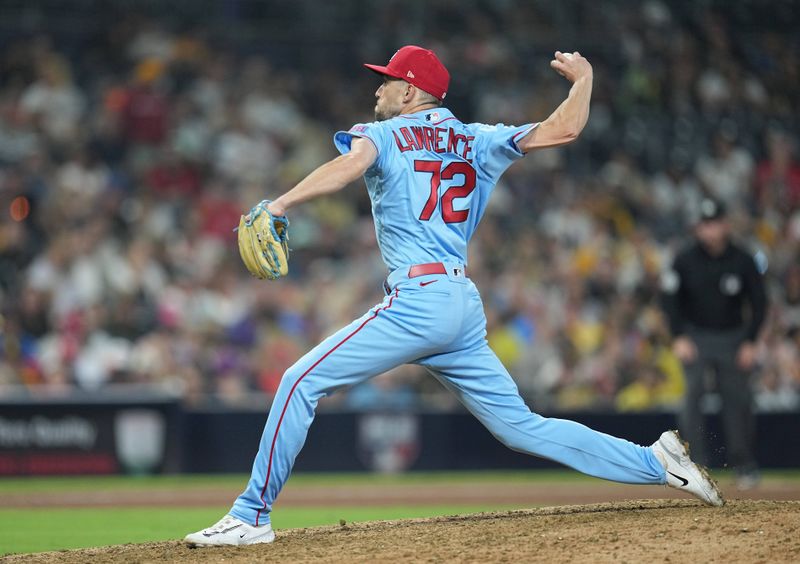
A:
[711, 209]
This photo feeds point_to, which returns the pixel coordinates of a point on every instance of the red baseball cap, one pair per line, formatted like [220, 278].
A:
[417, 66]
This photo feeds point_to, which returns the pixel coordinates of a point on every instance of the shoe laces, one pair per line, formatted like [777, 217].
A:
[224, 523]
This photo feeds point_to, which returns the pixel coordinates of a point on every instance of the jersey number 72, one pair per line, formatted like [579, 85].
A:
[434, 168]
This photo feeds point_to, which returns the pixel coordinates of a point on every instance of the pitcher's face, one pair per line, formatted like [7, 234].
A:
[390, 98]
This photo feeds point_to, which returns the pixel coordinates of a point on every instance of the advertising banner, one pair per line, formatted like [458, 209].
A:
[50, 438]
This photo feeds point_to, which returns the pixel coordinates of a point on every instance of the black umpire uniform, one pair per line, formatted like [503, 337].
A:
[715, 300]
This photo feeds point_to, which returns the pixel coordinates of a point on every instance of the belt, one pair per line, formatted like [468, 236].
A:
[428, 268]
[452, 270]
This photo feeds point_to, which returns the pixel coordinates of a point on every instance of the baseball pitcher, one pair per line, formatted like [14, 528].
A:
[429, 178]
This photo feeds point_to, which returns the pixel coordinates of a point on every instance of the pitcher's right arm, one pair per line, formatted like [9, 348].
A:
[568, 120]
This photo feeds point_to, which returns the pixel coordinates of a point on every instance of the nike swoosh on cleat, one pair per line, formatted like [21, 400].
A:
[428, 282]
[242, 535]
[681, 478]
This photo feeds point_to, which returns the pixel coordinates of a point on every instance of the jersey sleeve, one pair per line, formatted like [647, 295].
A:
[497, 147]
[372, 131]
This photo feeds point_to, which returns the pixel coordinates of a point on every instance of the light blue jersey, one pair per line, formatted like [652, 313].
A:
[431, 182]
[429, 187]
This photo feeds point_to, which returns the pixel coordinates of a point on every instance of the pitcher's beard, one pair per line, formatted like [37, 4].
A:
[382, 114]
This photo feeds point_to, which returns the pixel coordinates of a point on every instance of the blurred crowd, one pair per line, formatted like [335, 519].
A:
[128, 153]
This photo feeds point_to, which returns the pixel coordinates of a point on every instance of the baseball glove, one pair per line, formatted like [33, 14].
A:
[264, 242]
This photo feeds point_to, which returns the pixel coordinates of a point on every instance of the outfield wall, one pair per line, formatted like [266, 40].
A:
[145, 434]
[227, 442]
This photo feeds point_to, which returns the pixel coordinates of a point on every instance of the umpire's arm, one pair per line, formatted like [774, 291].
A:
[671, 299]
[330, 177]
[566, 123]
[757, 296]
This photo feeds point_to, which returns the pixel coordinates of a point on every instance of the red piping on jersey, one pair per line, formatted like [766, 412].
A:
[306, 373]
[525, 131]
[444, 120]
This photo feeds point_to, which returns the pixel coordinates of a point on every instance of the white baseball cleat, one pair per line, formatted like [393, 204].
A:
[682, 473]
[230, 531]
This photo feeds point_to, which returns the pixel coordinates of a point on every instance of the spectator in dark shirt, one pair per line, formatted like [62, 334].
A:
[715, 301]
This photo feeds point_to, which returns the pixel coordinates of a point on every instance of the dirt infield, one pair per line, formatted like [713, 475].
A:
[632, 531]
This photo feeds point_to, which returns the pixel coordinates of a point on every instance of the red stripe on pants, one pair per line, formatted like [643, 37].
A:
[291, 392]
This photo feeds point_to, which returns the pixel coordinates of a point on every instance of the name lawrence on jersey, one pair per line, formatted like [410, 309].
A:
[435, 140]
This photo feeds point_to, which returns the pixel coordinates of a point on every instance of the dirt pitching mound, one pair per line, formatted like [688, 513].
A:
[633, 531]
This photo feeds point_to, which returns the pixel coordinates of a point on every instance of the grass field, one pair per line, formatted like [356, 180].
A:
[239, 480]
[37, 530]
[55, 528]
[44, 528]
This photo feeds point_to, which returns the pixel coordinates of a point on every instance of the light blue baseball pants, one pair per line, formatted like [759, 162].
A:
[436, 321]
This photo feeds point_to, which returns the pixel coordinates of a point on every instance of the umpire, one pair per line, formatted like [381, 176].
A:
[715, 301]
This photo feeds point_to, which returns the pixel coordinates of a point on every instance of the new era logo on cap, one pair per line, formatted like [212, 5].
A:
[417, 66]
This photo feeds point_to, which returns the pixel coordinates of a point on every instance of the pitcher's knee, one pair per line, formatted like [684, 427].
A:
[289, 378]
[300, 380]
